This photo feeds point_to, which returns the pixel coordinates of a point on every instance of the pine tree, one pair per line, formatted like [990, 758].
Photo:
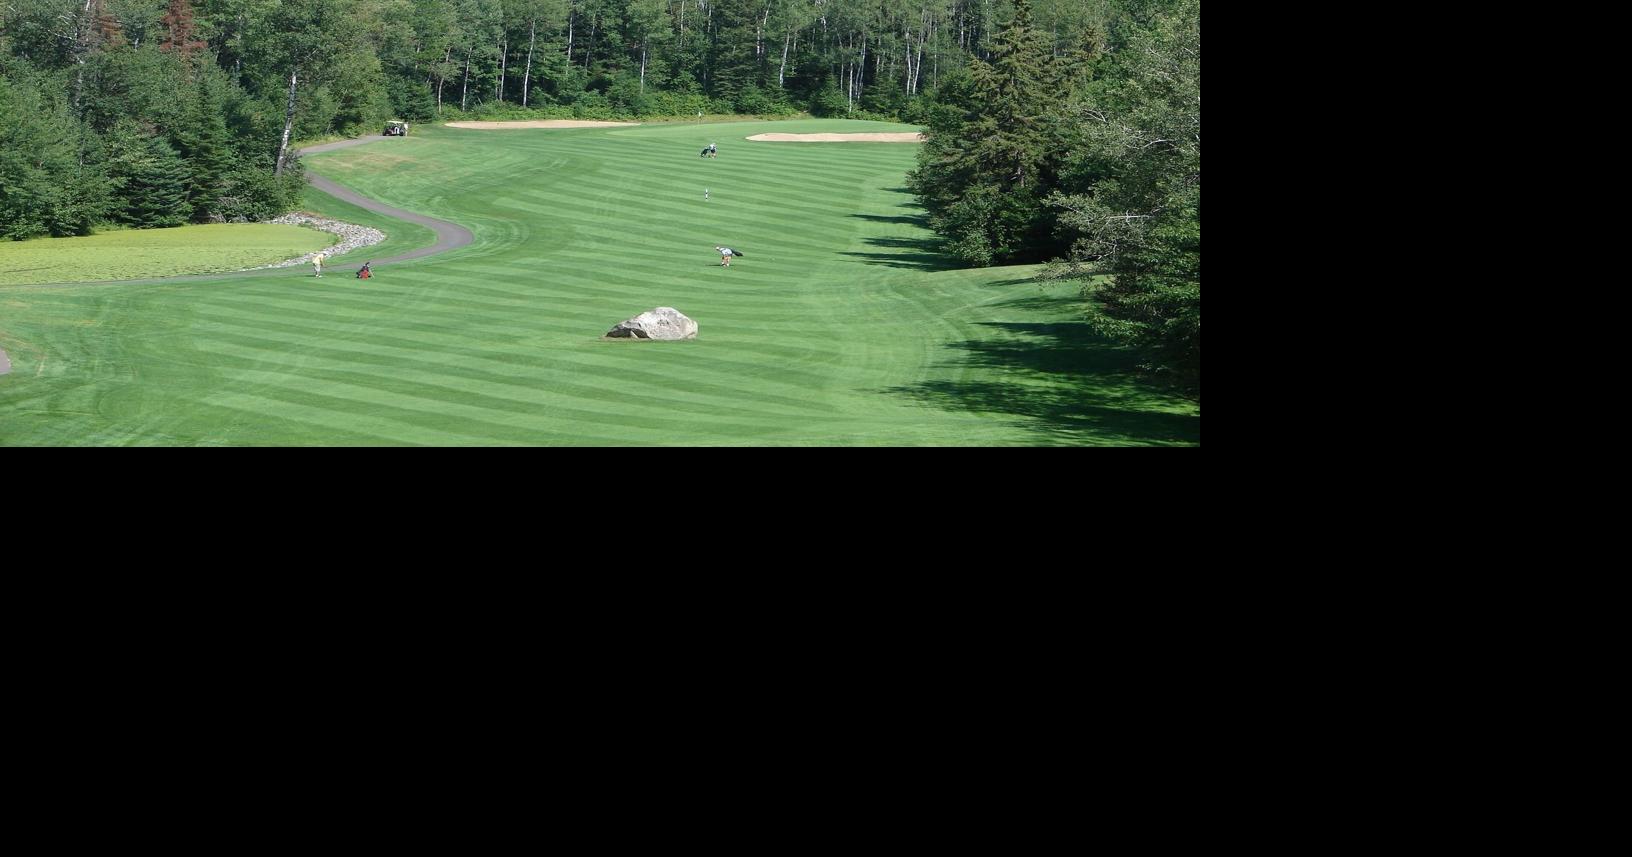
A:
[150, 179]
[33, 157]
[1014, 86]
[1133, 190]
[204, 142]
[983, 175]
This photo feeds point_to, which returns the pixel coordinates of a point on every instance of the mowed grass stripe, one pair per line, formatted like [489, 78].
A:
[402, 406]
[711, 382]
[558, 372]
[793, 360]
[742, 298]
[834, 329]
[506, 402]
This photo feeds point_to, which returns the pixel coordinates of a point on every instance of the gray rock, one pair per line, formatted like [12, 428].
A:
[665, 322]
[351, 235]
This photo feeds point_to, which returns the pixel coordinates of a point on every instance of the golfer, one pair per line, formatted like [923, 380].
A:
[725, 255]
[317, 263]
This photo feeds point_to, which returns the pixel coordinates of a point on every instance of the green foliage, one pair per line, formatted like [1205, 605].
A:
[1131, 193]
[411, 100]
[829, 100]
[497, 344]
[134, 83]
[252, 194]
[357, 88]
[204, 143]
[759, 102]
[29, 155]
[46, 187]
[671, 104]
[989, 159]
[212, 78]
[150, 177]
[883, 101]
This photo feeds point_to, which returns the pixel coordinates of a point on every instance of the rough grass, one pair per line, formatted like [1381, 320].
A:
[136, 253]
[842, 325]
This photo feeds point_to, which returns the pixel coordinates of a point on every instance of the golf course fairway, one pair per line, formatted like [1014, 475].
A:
[841, 324]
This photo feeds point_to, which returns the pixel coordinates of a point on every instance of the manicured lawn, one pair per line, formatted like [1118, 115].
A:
[400, 236]
[841, 325]
[136, 253]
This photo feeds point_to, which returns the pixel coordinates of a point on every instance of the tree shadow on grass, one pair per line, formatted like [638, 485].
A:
[921, 254]
[920, 220]
[1041, 302]
[1064, 381]
[912, 198]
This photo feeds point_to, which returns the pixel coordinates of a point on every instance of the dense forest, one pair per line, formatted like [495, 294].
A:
[1058, 130]
[1088, 158]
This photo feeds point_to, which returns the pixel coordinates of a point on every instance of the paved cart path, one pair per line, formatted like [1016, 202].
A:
[449, 236]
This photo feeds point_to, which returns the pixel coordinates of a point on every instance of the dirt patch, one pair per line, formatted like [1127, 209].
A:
[540, 123]
[907, 137]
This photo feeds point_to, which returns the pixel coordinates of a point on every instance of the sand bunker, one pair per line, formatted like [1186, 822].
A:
[908, 137]
[540, 123]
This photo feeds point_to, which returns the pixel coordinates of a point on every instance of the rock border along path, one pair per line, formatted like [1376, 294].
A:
[449, 236]
[352, 237]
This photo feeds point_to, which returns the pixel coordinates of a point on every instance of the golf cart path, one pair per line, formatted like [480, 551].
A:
[449, 236]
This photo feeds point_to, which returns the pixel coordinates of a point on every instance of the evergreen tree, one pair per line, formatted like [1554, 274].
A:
[983, 179]
[33, 159]
[322, 66]
[151, 180]
[204, 143]
[1133, 190]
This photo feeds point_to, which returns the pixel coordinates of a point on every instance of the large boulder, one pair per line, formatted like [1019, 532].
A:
[665, 322]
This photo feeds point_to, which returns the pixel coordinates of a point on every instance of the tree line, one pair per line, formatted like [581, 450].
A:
[1088, 159]
[1063, 130]
[158, 112]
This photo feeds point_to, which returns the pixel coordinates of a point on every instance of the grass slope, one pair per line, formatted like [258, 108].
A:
[400, 236]
[842, 325]
[135, 253]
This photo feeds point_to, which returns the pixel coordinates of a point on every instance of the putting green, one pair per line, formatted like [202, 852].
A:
[840, 325]
[137, 253]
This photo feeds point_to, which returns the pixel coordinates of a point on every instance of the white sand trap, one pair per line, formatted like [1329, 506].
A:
[540, 123]
[907, 137]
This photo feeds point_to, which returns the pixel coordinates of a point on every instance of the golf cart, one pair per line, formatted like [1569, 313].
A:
[396, 128]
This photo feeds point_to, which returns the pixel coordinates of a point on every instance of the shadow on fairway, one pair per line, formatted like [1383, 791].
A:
[1065, 380]
[925, 254]
[914, 220]
[1045, 303]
